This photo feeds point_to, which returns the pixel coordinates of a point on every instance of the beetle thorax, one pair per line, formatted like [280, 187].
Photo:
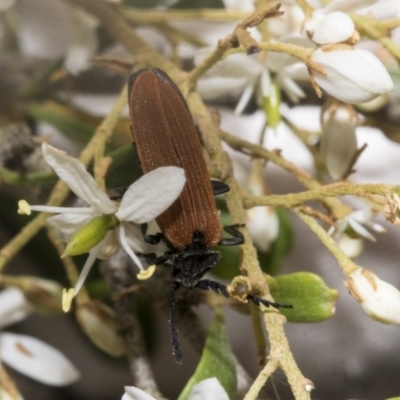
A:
[190, 265]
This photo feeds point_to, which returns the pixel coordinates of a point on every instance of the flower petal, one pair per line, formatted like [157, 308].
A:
[361, 230]
[209, 389]
[151, 195]
[352, 75]
[333, 28]
[210, 87]
[74, 174]
[13, 307]
[236, 65]
[244, 98]
[82, 41]
[347, 6]
[133, 393]
[36, 359]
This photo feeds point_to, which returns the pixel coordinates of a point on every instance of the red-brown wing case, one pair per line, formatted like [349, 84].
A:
[164, 135]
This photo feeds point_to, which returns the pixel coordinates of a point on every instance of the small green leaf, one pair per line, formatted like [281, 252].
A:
[312, 299]
[216, 361]
[394, 398]
[272, 261]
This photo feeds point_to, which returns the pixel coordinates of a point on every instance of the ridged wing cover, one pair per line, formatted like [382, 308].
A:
[165, 134]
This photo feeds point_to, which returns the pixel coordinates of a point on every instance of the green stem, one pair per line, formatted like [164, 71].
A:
[146, 17]
[370, 27]
[334, 190]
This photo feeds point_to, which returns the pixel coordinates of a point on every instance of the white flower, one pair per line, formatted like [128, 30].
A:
[208, 389]
[352, 227]
[28, 355]
[351, 75]
[241, 72]
[335, 27]
[143, 201]
[82, 41]
[339, 142]
[287, 24]
[263, 225]
[53, 29]
[379, 299]
[236, 72]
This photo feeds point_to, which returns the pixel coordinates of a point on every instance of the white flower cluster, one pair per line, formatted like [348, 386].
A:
[352, 75]
[349, 74]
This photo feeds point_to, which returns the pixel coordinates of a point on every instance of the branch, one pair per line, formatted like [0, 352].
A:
[334, 190]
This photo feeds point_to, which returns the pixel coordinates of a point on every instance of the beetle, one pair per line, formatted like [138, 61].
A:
[164, 134]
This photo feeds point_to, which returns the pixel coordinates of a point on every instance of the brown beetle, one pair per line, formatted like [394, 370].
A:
[164, 135]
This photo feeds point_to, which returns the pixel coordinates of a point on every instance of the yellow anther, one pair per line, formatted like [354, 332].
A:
[67, 296]
[147, 273]
[24, 208]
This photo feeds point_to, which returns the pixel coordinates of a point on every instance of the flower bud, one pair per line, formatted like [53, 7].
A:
[379, 299]
[351, 246]
[262, 221]
[335, 27]
[99, 323]
[338, 141]
[43, 295]
[13, 306]
[350, 75]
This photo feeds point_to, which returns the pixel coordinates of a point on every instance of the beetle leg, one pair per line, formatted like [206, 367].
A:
[206, 284]
[152, 258]
[257, 300]
[237, 238]
[217, 287]
[176, 347]
[151, 239]
[219, 187]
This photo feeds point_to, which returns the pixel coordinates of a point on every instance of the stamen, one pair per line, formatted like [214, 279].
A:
[62, 210]
[147, 273]
[67, 296]
[127, 248]
[93, 253]
[24, 208]
[244, 99]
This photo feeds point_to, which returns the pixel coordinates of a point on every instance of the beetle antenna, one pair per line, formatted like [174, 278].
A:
[176, 347]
